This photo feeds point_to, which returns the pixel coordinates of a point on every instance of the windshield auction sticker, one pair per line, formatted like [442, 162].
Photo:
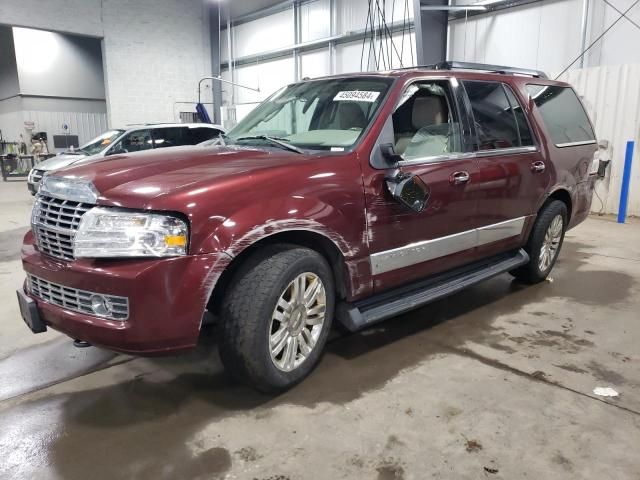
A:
[356, 96]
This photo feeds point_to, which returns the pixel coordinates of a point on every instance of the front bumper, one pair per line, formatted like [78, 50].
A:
[167, 299]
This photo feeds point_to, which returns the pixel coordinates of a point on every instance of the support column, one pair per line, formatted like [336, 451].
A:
[216, 87]
[431, 32]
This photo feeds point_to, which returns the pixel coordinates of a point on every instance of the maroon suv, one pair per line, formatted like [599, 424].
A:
[353, 197]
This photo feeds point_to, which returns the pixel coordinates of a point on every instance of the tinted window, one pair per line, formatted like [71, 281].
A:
[425, 122]
[563, 114]
[494, 119]
[170, 137]
[526, 138]
[201, 134]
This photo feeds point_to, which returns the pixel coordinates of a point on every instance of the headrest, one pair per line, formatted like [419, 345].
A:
[427, 111]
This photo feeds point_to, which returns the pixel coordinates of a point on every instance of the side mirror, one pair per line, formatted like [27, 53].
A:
[409, 190]
[388, 151]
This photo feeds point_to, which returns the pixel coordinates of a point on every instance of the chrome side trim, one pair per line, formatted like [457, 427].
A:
[575, 144]
[435, 158]
[500, 231]
[505, 151]
[426, 250]
[470, 155]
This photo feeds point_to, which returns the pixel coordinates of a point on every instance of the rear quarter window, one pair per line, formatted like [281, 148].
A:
[564, 116]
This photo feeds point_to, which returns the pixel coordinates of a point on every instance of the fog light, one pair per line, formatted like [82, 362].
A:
[101, 305]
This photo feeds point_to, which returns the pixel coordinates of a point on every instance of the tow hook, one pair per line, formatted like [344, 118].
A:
[80, 343]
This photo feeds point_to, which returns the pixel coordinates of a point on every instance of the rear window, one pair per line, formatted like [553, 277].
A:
[200, 134]
[178, 136]
[563, 114]
[498, 117]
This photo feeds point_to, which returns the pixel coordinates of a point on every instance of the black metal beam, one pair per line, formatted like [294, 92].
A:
[431, 31]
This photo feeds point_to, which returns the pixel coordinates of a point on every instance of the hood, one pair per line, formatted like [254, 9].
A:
[61, 161]
[136, 180]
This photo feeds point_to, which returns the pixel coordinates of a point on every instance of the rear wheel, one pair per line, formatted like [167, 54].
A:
[544, 243]
[276, 317]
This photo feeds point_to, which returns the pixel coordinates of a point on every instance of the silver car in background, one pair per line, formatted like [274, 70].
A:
[132, 139]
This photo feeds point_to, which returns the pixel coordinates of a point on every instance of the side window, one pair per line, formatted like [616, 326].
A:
[170, 137]
[425, 122]
[133, 142]
[562, 113]
[495, 122]
[526, 138]
[200, 134]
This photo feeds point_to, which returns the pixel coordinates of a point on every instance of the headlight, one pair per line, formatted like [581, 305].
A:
[110, 232]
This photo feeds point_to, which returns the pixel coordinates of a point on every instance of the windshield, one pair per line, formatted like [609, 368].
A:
[100, 142]
[327, 114]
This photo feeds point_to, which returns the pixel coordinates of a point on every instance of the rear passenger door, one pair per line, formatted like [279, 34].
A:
[513, 174]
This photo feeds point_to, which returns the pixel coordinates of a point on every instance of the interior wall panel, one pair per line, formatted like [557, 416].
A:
[315, 20]
[316, 63]
[612, 97]
[261, 35]
[85, 125]
[544, 35]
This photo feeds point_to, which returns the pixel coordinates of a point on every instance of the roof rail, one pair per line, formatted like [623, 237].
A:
[487, 68]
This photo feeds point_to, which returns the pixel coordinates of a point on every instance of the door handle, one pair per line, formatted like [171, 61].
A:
[458, 178]
[538, 167]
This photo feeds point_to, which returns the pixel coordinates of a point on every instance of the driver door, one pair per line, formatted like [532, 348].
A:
[434, 140]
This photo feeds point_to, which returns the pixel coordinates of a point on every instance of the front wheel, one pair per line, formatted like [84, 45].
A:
[277, 316]
[544, 243]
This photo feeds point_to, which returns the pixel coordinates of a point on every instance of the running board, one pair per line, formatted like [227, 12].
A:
[359, 315]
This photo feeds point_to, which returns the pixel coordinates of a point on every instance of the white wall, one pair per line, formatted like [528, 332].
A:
[155, 51]
[11, 121]
[544, 36]
[547, 36]
[616, 117]
[619, 45]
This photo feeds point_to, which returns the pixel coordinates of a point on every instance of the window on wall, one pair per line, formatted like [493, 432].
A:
[425, 122]
[498, 116]
[563, 114]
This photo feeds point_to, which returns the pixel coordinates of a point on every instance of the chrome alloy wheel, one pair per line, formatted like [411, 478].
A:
[297, 321]
[551, 243]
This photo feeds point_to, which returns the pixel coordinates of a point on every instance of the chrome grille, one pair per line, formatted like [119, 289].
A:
[74, 299]
[55, 222]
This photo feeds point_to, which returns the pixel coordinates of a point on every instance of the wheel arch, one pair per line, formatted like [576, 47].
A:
[296, 238]
[564, 196]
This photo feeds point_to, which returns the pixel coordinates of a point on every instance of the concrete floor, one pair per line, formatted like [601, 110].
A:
[495, 382]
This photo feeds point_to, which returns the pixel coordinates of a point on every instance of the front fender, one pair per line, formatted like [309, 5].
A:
[253, 223]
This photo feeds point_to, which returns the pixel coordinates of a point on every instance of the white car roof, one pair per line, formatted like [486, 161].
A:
[151, 126]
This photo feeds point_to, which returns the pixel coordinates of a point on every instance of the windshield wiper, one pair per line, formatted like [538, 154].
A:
[281, 142]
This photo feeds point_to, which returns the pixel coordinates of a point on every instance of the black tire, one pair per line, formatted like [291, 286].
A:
[532, 272]
[246, 316]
